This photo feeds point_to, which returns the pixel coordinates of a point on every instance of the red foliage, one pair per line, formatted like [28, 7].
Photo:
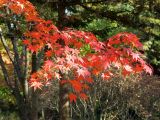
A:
[72, 97]
[120, 52]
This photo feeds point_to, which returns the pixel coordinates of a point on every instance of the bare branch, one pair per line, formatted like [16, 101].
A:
[5, 73]
[6, 46]
[16, 55]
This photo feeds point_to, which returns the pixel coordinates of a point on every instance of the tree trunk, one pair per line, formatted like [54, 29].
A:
[15, 83]
[34, 106]
[61, 14]
[64, 109]
[34, 96]
[24, 111]
[27, 106]
[22, 104]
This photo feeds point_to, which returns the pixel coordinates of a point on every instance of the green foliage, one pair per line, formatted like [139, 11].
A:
[85, 49]
[121, 7]
[149, 20]
[48, 13]
[102, 28]
[101, 24]
[153, 51]
[6, 96]
[8, 116]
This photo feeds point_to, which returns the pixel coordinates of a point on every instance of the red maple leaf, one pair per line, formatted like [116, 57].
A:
[26, 42]
[77, 86]
[89, 79]
[138, 68]
[135, 56]
[125, 73]
[148, 69]
[128, 68]
[36, 85]
[83, 96]
[83, 72]
[106, 75]
[49, 63]
[72, 97]
[48, 53]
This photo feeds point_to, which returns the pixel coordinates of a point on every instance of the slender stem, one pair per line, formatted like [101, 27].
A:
[6, 46]
[5, 73]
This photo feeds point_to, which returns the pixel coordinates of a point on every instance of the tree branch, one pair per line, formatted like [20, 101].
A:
[5, 73]
[6, 46]
[17, 59]
[77, 2]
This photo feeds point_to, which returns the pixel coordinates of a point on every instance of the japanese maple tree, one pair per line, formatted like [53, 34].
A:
[66, 59]
[120, 52]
